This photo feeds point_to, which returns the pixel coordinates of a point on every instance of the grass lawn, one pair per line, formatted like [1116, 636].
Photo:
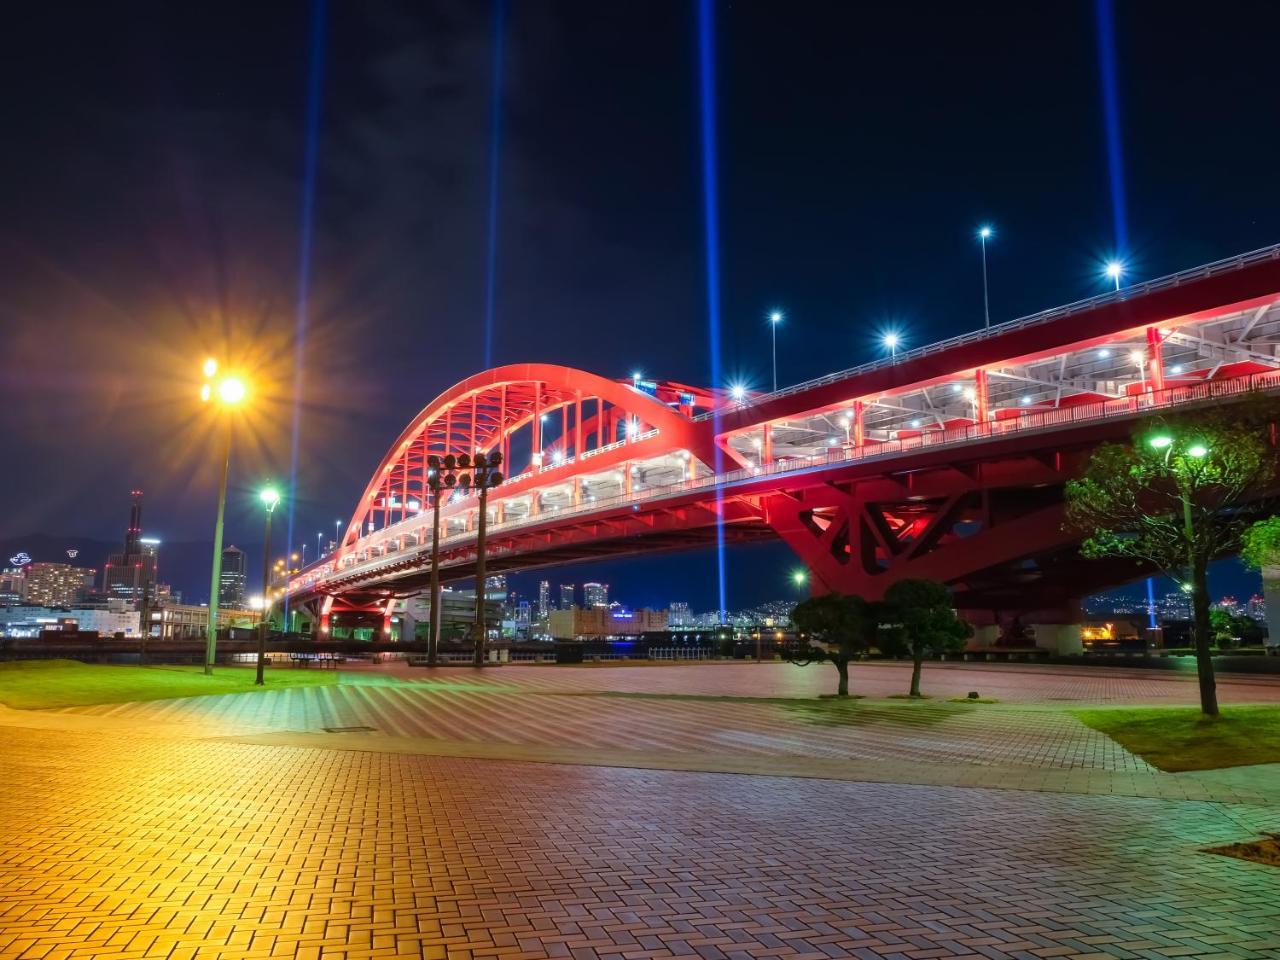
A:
[1182, 738]
[36, 684]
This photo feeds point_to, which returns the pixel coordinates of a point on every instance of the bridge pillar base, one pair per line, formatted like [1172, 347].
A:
[408, 622]
[1062, 639]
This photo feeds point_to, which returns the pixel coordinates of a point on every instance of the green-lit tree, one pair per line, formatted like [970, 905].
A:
[1232, 628]
[920, 621]
[1261, 544]
[835, 627]
[1173, 497]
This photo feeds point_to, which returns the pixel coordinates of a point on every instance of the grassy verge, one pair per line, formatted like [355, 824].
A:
[37, 684]
[1175, 739]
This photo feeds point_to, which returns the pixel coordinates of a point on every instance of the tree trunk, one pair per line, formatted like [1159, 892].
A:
[1204, 637]
[916, 660]
[842, 665]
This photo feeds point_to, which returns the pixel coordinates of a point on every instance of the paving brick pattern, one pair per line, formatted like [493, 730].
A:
[114, 849]
[909, 732]
[1022, 683]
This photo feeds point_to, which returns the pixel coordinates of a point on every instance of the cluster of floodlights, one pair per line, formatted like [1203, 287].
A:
[483, 466]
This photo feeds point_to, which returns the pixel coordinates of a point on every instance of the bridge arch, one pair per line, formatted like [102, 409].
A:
[551, 423]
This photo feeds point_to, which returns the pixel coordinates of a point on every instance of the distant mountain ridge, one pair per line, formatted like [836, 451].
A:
[184, 564]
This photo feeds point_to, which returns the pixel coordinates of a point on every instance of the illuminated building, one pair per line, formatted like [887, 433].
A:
[57, 584]
[679, 615]
[13, 587]
[128, 573]
[544, 598]
[595, 595]
[233, 579]
[567, 592]
[577, 624]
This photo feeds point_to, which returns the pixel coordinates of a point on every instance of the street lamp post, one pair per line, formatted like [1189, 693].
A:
[984, 234]
[227, 393]
[1197, 451]
[775, 318]
[891, 340]
[270, 497]
[1115, 269]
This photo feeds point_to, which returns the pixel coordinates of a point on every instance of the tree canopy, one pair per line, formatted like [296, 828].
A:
[920, 622]
[836, 627]
[1173, 498]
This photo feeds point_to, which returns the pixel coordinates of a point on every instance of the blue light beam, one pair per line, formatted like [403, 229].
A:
[495, 154]
[711, 229]
[1111, 117]
[311, 149]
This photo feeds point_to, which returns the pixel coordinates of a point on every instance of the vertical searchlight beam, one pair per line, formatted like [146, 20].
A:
[711, 233]
[1110, 86]
[311, 148]
[495, 155]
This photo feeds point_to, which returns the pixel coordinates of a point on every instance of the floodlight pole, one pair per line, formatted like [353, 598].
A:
[264, 622]
[433, 634]
[482, 628]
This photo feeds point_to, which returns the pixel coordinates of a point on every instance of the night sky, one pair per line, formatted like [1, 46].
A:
[152, 195]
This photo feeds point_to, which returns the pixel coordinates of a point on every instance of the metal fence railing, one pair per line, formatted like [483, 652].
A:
[1033, 320]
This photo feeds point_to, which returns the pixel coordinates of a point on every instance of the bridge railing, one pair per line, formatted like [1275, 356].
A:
[1237, 262]
[1029, 422]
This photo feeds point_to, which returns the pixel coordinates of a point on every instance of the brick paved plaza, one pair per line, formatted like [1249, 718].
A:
[543, 812]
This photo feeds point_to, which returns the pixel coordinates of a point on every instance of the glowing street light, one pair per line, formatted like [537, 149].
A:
[1115, 270]
[738, 392]
[984, 234]
[228, 392]
[775, 318]
[270, 498]
[890, 341]
[799, 577]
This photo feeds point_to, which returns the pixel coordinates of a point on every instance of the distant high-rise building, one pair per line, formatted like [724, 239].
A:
[567, 591]
[1257, 607]
[495, 588]
[595, 595]
[544, 598]
[128, 573]
[13, 587]
[57, 584]
[678, 615]
[233, 580]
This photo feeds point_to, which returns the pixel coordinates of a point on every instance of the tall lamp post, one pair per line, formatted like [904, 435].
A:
[984, 234]
[1115, 270]
[775, 318]
[228, 392]
[891, 340]
[270, 497]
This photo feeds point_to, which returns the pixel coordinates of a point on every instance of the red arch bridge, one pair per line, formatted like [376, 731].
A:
[947, 461]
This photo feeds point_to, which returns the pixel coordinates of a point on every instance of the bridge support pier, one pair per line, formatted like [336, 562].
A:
[408, 622]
